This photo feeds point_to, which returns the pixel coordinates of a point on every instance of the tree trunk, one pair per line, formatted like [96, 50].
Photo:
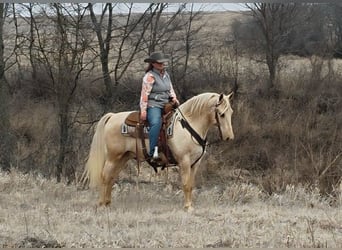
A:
[271, 64]
[104, 45]
[63, 145]
[5, 136]
[31, 45]
[276, 21]
[106, 76]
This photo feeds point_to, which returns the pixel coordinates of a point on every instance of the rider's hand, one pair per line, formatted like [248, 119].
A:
[175, 102]
[143, 115]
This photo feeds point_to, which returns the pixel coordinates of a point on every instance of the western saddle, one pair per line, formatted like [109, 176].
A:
[166, 158]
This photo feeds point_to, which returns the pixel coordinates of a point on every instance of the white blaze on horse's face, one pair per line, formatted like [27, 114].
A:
[223, 114]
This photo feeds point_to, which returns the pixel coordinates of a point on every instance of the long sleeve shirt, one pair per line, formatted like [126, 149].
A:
[156, 90]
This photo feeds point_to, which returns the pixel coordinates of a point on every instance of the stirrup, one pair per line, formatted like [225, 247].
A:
[157, 163]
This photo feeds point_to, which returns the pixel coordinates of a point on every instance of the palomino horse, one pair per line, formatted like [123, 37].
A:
[110, 150]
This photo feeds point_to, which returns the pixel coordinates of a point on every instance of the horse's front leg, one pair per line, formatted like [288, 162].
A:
[187, 188]
[188, 175]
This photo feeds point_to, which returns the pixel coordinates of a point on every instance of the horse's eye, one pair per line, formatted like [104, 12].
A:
[222, 115]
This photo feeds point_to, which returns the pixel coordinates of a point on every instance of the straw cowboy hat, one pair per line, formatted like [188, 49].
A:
[158, 57]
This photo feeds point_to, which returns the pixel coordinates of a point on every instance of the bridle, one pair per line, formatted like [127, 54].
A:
[217, 114]
[203, 142]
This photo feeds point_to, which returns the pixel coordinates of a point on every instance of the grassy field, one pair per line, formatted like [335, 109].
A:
[264, 189]
[36, 212]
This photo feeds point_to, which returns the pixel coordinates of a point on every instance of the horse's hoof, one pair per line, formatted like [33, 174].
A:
[104, 203]
[188, 209]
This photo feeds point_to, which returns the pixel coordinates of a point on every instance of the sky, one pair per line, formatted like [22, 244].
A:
[220, 6]
[197, 6]
[122, 7]
[227, 6]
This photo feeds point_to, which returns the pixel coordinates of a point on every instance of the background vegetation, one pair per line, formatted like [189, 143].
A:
[64, 65]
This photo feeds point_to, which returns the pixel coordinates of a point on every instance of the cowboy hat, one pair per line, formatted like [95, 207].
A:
[159, 57]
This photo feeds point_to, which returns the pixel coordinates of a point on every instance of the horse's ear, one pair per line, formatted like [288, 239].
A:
[230, 96]
[221, 97]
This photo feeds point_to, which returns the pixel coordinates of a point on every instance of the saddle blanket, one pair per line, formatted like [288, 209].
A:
[130, 130]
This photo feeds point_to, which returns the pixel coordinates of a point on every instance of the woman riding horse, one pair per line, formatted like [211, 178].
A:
[156, 92]
[110, 149]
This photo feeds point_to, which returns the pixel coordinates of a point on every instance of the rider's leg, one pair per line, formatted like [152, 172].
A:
[154, 117]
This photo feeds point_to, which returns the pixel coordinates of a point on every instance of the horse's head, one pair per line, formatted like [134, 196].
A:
[223, 116]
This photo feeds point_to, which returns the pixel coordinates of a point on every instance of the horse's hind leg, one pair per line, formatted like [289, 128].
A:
[107, 183]
[110, 173]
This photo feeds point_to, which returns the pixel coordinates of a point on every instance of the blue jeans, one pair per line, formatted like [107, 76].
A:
[154, 118]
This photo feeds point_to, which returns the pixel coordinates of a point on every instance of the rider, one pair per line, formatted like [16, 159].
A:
[156, 91]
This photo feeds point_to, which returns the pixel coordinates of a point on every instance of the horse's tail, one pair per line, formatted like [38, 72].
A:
[97, 153]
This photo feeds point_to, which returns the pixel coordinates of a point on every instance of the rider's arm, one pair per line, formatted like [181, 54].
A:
[147, 85]
[173, 95]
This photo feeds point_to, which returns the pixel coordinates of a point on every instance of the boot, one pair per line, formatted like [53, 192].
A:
[155, 154]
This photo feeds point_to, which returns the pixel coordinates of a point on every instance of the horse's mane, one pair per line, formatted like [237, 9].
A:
[198, 104]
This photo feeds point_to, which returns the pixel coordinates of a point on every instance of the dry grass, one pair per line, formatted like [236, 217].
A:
[36, 212]
[260, 190]
[34, 126]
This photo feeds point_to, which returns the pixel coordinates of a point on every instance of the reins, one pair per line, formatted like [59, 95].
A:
[198, 138]
[203, 142]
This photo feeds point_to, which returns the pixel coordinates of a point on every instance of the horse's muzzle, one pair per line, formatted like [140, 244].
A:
[229, 137]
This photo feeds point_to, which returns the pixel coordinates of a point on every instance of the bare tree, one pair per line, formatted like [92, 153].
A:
[188, 38]
[276, 21]
[31, 38]
[234, 59]
[163, 27]
[154, 27]
[131, 35]
[174, 34]
[70, 56]
[5, 138]
[60, 50]
[335, 24]
[122, 37]
[125, 33]
[104, 42]
[186, 31]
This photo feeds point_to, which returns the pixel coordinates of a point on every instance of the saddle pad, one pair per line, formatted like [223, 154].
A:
[131, 130]
[169, 129]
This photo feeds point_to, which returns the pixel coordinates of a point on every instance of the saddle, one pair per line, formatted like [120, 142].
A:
[134, 127]
[133, 119]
